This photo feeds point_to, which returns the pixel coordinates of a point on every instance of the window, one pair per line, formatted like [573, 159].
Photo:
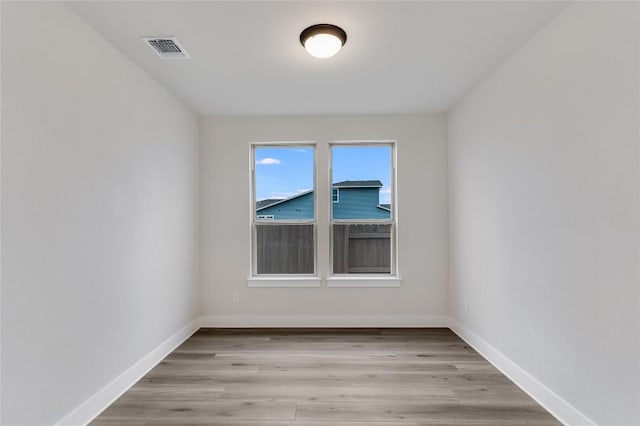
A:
[283, 224]
[362, 223]
[352, 243]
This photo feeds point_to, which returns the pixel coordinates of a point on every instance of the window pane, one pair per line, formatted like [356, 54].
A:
[362, 178]
[284, 249]
[284, 183]
[362, 249]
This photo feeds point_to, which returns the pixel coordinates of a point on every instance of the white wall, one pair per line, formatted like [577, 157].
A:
[225, 218]
[99, 196]
[544, 194]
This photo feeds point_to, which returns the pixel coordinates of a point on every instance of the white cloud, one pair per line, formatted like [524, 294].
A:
[385, 195]
[283, 195]
[268, 161]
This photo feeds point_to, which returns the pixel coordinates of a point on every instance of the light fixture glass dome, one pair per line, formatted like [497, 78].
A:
[323, 45]
[323, 40]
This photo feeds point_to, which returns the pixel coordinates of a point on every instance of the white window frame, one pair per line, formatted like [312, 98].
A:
[282, 280]
[337, 200]
[391, 279]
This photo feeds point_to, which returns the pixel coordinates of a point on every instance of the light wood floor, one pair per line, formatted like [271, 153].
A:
[321, 377]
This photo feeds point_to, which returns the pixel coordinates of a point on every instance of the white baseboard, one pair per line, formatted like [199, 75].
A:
[92, 407]
[338, 321]
[558, 407]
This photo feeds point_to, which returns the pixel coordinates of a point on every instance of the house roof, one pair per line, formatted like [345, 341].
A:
[358, 184]
[272, 202]
[267, 202]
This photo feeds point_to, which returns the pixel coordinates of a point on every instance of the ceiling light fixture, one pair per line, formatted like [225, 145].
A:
[323, 40]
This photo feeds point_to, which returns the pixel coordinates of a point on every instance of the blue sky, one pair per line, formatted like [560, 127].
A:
[282, 172]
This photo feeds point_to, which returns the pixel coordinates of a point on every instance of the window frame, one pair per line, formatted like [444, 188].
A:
[281, 280]
[390, 279]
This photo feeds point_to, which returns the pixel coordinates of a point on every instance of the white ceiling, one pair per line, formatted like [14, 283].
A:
[246, 58]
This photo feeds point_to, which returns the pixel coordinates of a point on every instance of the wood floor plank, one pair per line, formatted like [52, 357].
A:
[452, 379]
[201, 366]
[173, 393]
[179, 355]
[287, 392]
[324, 377]
[457, 356]
[437, 412]
[249, 379]
[537, 422]
[279, 423]
[389, 366]
[200, 411]
[476, 366]
[505, 394]
[104, 421]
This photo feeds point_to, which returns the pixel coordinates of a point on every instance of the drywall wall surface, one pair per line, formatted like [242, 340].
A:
[544, 188]
[422, 223]
[99, 195]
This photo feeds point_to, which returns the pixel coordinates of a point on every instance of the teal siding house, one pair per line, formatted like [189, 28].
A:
[351, 199]
[299, 206]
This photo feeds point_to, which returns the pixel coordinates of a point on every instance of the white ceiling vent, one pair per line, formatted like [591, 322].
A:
[167, 47]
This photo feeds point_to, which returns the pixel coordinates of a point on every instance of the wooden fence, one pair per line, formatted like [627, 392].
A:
[284, 249]
[357, 249]
[361, 249]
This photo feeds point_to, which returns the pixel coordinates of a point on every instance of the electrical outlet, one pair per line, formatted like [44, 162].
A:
[236, 297]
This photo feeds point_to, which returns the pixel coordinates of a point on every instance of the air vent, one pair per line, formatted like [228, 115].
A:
[167, 47]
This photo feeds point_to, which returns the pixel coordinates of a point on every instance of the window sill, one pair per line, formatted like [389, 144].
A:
[284, 282]
[364, 281]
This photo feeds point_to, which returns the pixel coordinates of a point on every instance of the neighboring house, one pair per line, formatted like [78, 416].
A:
[352, 199]
[299, 206]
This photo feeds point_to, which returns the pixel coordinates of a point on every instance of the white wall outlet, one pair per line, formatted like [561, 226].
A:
[236, 297]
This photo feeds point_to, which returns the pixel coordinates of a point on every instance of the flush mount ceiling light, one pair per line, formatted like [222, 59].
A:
[323, 40]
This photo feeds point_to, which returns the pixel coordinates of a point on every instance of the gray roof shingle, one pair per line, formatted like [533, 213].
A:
[264, 203]
[358, 183]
